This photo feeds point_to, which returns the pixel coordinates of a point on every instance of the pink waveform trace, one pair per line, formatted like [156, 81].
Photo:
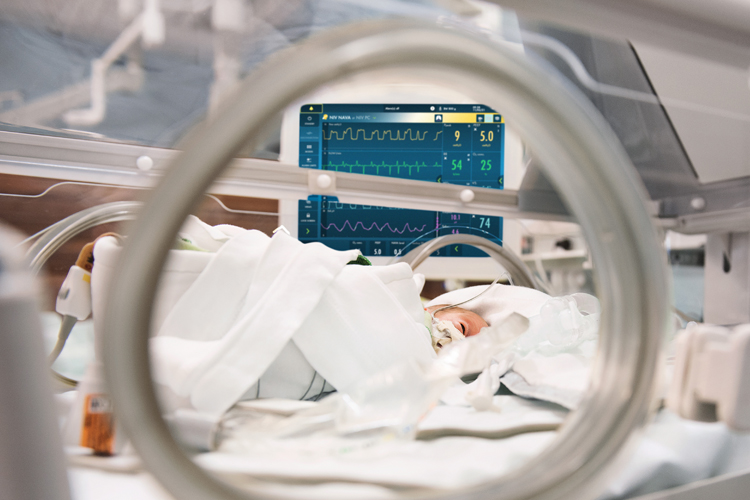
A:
[374, 224]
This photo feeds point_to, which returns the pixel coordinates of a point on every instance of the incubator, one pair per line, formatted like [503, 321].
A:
[246, 223]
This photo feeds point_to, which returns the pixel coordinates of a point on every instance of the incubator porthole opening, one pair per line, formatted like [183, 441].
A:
[631, 265]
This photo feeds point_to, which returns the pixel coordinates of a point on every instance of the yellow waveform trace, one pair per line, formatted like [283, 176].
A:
[354, 136]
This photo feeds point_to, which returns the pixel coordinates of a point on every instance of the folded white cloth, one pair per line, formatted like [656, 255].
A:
[533, 367]
[223, 318]
[445, 463]
[498, 303]
[509, 416]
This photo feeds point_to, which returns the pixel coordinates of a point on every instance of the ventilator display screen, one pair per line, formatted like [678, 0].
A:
[458, 144]
[385, 231]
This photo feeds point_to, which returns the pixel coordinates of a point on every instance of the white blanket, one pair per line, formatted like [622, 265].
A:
[532, 368]
[459, 459]
[224, 317]
[498, 303]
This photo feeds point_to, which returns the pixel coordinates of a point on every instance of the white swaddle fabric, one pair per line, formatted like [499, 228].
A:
[361, 303]
[497, 304]
[534, 368]
[183, 268]
[209, 307]
[288, 283]
[220, 327]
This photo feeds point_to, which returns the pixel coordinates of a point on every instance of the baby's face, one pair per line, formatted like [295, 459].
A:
[466, 322]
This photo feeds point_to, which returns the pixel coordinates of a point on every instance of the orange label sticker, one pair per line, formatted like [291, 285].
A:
[98, 432]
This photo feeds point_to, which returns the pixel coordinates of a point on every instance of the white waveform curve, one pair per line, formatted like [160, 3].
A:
[374, 224]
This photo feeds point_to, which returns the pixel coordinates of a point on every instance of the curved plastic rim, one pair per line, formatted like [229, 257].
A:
[591, 171]
[63, 231]
[518, 271]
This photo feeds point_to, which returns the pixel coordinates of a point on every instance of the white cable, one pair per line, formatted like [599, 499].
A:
[505, 274]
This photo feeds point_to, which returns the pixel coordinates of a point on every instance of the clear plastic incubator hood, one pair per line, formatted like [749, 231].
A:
[578, 153]
[397, 249]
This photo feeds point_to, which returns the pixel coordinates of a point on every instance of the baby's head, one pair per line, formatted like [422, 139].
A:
[465, 321]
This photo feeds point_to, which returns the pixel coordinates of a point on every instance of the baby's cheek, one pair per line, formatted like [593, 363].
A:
[477, 324]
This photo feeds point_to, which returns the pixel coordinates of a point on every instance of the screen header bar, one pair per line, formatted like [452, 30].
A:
[396, 108]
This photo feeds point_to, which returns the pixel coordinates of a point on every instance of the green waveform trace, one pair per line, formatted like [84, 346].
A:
[397, 166]
[380, 137]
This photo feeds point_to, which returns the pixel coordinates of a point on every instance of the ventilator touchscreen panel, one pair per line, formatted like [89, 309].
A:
[385, 231]
[459, 144]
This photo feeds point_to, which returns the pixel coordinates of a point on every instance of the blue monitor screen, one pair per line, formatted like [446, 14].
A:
[389, 232]
[458, 144]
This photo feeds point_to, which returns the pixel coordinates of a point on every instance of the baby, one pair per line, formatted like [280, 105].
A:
[465, 321]
[448, 323]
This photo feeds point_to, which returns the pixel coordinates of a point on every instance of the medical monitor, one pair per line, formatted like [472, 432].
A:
[459, 144]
